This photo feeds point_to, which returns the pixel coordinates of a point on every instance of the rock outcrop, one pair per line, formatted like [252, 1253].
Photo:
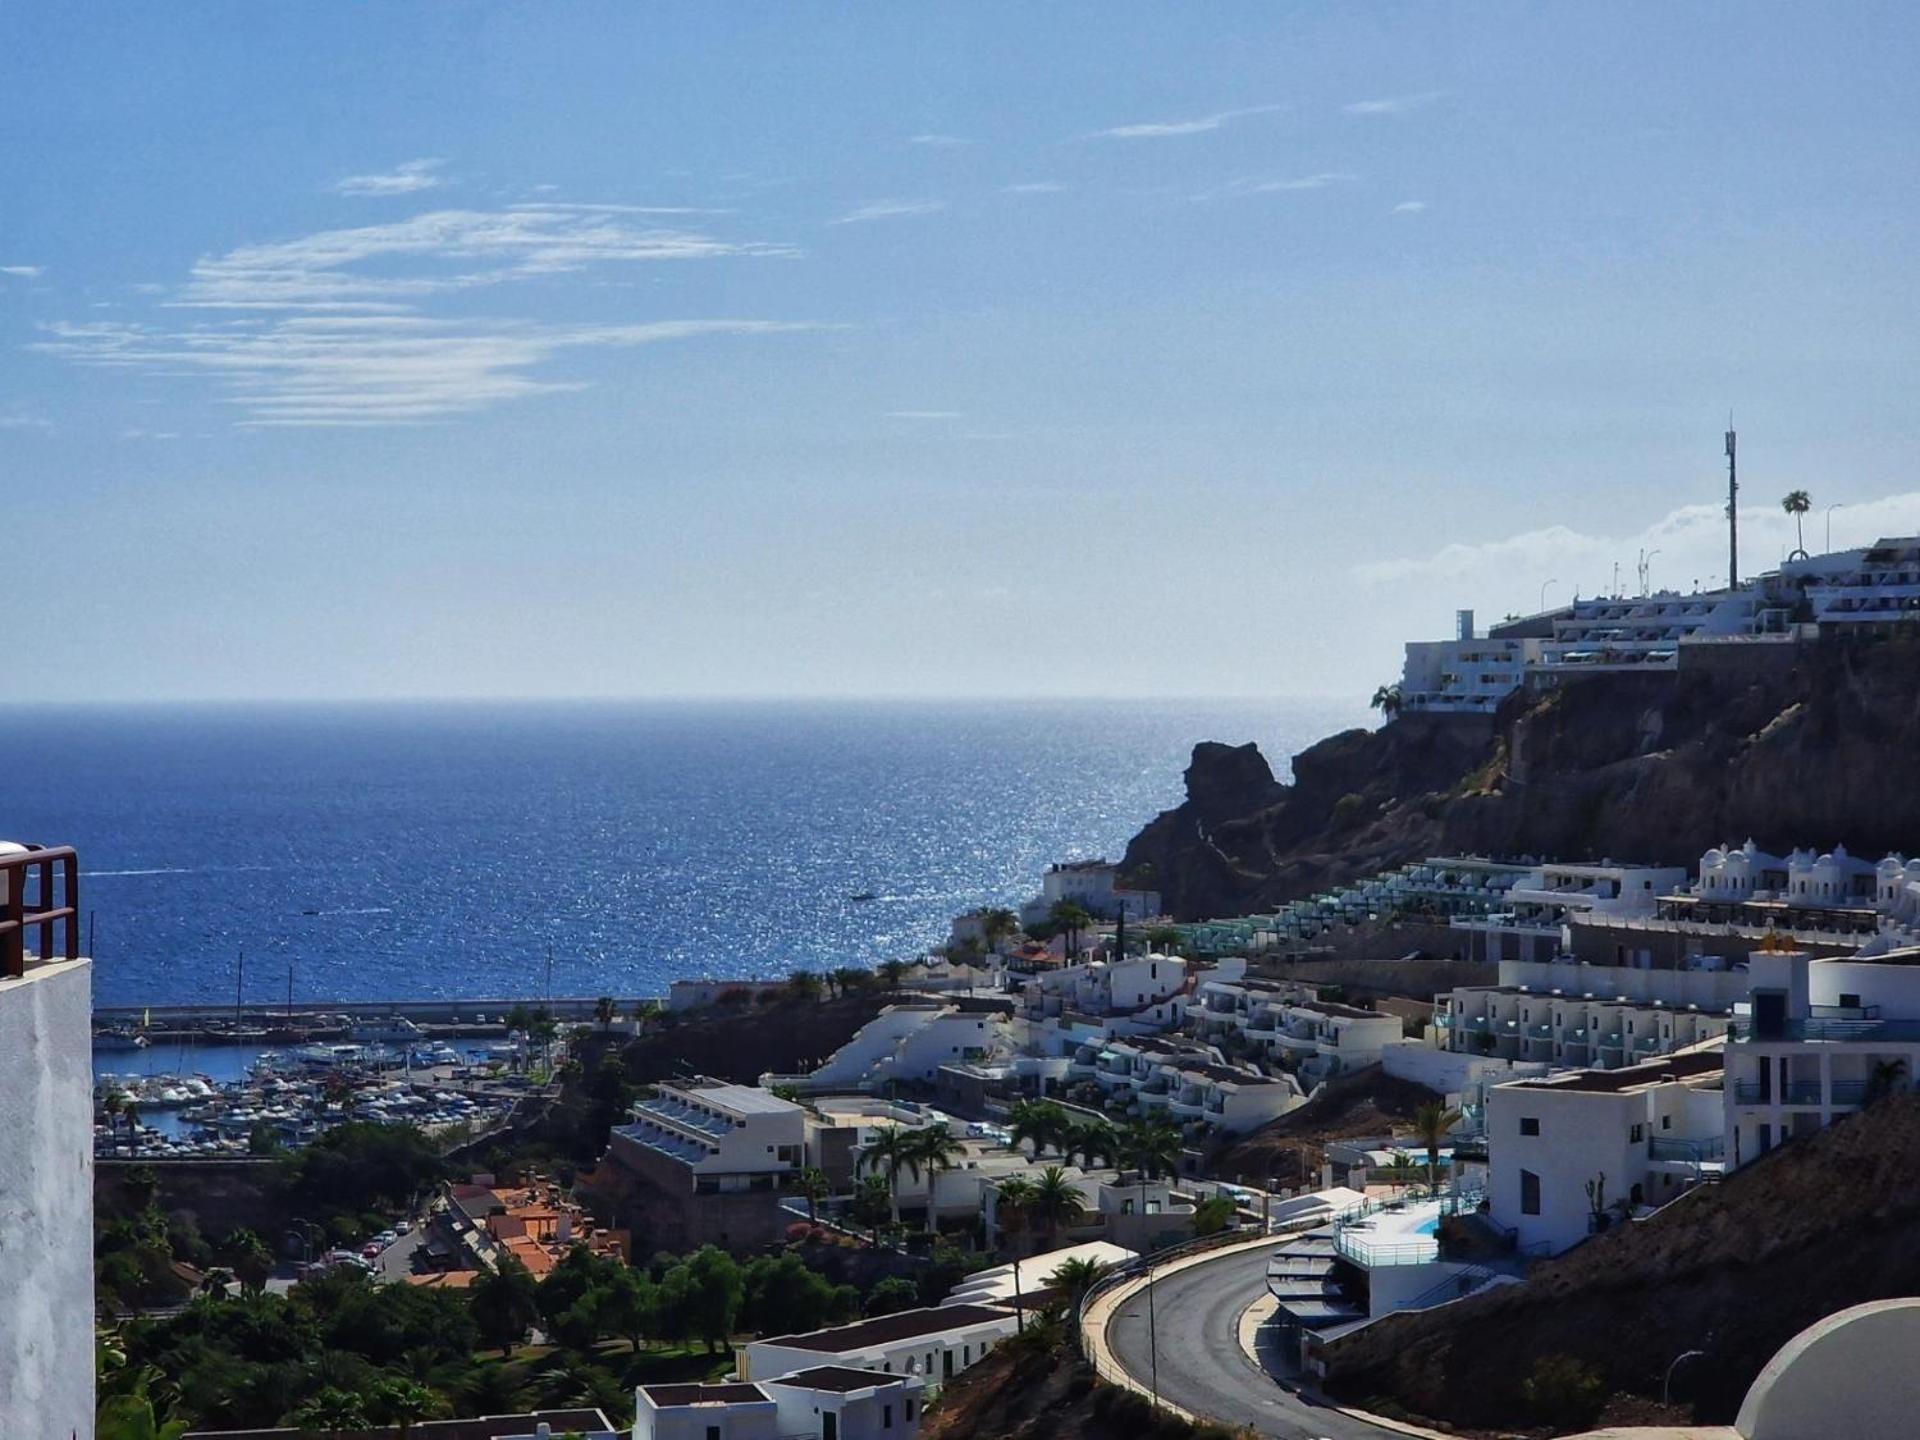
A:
[1816, 744]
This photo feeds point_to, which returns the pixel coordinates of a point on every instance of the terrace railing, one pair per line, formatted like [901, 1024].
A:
[39, 889]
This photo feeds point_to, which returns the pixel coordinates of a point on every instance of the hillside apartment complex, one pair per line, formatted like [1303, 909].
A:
[1846, 591]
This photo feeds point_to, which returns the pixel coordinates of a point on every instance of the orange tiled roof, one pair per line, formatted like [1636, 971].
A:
[445, 1279]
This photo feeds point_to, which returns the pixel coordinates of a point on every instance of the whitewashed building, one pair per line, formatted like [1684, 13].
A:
[934, 1344]
[46, 1150]
[1469, 674]
[1095, 886]
[1573, 1153]
[1290, 1024]
[908, 1041]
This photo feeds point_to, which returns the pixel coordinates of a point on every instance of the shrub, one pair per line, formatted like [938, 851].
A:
[1563, 1392]
[799, 1232]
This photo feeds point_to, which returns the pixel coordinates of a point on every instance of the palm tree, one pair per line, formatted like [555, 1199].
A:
[1071, 917]
[214, 1282]
[813, 1187]
[1150, 1146]
[892, 972]
[1075, 1277]
[890, 1151]
[804, 985]
[604, 1011]
[401, 1402]
[111, 1107]
[997, 924]
[1088, 1141]
[130, 1113]
[132, 1417]
[1038, 1121]
[1387, 700]
[332, 1409]
[1055, 1203]
[1012, 1198]
[1400, 1169]
[1797, 503]
[935, 1149]
[1885, 1079]
[1431, 1122]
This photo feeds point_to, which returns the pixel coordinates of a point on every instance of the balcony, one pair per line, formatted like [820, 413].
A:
[1692, 1152]
[1792, 1092]
[1741, 1032]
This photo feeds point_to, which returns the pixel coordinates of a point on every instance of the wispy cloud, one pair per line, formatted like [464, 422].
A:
[1033, 187]
[1409, 207]
[1200, 125]
[1692, 541]
[925, 414]
[940, 142]
[24, 272]
[360, 370]
[332, 328]
[24, 422]
[1393, 104]
[1284, 185]
[890, 210]
[408, 178]
[390, 268]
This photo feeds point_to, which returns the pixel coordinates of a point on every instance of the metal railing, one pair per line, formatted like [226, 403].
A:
[1692, 1151]
[52, 874]
[1743, 1032]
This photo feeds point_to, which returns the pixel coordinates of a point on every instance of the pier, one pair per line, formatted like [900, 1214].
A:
[215, 1024]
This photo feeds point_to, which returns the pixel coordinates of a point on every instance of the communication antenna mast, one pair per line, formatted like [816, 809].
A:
[1733, 515]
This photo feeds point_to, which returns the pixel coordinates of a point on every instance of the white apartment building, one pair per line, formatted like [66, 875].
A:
[933, 1344]
[46, 1149]
[1645, 632]
[1095, 885]
[721, 1410]
[1291, 1025]
[726, 1138]
[822, 1402]
[908, 1042]
[1846, 590]
[1184, 1082]
[1469, 674]
[1530, 922]
[1821, 1037]
[1572, 1153]
[1570, 1015]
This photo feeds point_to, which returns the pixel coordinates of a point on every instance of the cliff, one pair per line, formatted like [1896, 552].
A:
[1816, 744]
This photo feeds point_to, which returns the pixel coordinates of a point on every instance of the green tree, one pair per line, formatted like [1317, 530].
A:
[629, 1306]
[873, 1203]
[331, 1409]
[1075, 1277]
[1013, 1205]
[892, 1295]
[782, 1295]
[1797, 503]
[1213, 1214]
[805, 985]
[997, 924]
[704, 1293]
[888, 1153]
[1564, 1392]
[1071, 918]
[1039, 1123]
[1151, 1147]
[852, 979]
[132, 1417]
[1056, 1203]
[252, 1262]
[813, 1187]
[892, 972]
[1387, 700]
[401, 1403]
[1431, 1122]
[505, 1305]
[935, 1150]
[604, 1010]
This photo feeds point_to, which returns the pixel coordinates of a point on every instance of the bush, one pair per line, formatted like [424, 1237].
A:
[799, 1232]
[1563, 1392]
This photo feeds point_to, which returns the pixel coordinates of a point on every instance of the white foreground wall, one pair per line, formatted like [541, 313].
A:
[46, 1202]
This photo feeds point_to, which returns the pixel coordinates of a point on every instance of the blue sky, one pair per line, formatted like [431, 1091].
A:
[414, 350]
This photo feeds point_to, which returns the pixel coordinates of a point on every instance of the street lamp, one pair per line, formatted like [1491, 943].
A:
[1543, 592]
[1666, 1385]
[1838, 504]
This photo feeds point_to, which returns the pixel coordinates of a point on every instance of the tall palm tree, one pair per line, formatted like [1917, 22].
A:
[1075, 1277]
[1431, 1122]
[892, 972]
[805, 985]
[936, 1150]
[1089, 1141]
[1150, 1146]
[813, 1187]
[1037, 1121]
[889, 1152]
[1055, 1203]
[111, 1106]
[400, 1403]
[130, 1114]
[1797, 503]
[1071, 917]
[604, 1010]
[1012, 1199]
[997, 924]
[1386, 699]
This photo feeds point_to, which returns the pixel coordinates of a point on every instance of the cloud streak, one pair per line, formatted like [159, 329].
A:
[407, 178]
[1394, 104]
[24, 272]
[1033, 187]
[938, 142]
[1409, 207]
[890, 210]
[1169, 129]
[333, 329]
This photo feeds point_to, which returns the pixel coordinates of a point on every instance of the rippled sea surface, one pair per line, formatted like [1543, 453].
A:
[408, 851]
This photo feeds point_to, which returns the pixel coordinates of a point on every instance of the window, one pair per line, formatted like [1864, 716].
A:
[1529, 1193]
[908, 1411]
[1529, 1124]
[713, 1432]
[966, 1354]
[1636, 1134]
[1666, 1122]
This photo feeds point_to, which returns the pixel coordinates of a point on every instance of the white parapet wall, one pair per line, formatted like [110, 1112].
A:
[46, 1202]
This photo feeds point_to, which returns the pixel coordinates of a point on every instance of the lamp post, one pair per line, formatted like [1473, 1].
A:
[1666, 1385]
[1543, 592]
[1838, 504]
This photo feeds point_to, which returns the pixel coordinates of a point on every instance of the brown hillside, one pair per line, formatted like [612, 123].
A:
[1735, 1269]
[740, 1043]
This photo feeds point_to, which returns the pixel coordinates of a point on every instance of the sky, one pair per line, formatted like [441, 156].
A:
[846, 350]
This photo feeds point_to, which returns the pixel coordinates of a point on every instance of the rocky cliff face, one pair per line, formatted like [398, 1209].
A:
[1811, 745]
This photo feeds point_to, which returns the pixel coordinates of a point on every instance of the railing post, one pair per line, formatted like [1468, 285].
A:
[13, 945]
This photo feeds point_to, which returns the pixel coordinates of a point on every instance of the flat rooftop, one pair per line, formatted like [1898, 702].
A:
[885, 1329]
[741, 1099]
[1628, 1077]
[840, 1379]
[720, 1392]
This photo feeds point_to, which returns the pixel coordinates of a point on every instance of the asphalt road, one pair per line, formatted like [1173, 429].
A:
[1196, 1319]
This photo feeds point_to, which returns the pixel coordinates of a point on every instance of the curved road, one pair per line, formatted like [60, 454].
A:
[1196, 1318]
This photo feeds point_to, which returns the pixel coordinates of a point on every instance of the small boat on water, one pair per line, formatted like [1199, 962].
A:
[119, 1037]
[863, 897]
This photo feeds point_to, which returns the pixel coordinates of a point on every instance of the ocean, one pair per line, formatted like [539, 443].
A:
[412, 850]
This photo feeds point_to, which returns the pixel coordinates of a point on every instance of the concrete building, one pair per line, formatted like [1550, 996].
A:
[909, 1042]
[1289, 1024]
[721, 1410]
[704, 1161]
[1819, 1039]
[935, 1344]
[1095, 886]
[46, 1149]
[1469, 674]
[1853, 591]
[1570, 1015]
[1572, 1153]
[1184, 1082]
[1531, 922]
[839, 1402]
